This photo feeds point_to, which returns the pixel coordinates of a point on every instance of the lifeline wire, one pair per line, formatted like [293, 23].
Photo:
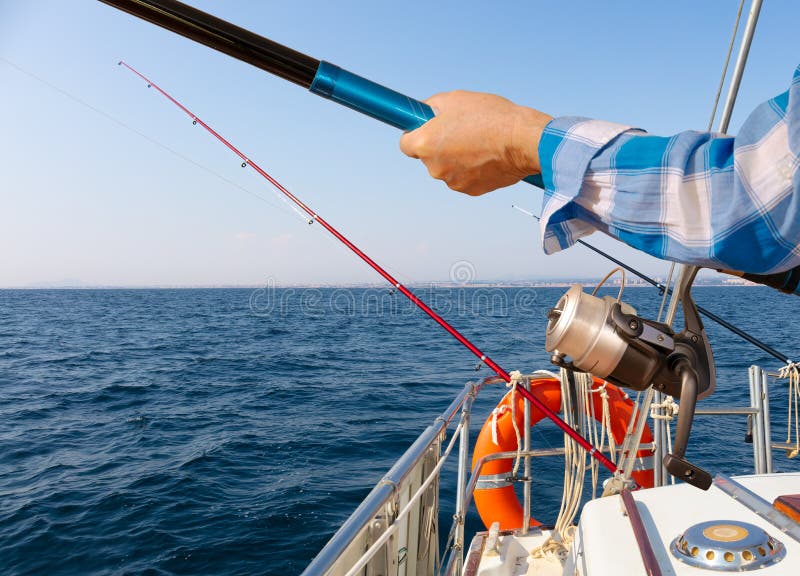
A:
[585, 444]
[725, 67]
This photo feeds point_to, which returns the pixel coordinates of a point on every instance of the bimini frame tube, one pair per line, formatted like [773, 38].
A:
[321, 78]
[314, 217]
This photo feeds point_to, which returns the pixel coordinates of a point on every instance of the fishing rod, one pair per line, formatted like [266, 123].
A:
[358, 93]
[662, 288]
[314, 217]
[320, 77]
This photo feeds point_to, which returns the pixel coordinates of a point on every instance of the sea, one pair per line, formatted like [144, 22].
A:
[231, 431]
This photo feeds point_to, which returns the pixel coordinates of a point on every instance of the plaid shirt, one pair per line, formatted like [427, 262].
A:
[696, 197]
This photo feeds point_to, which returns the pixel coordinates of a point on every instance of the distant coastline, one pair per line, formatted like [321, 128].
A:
[553, 283]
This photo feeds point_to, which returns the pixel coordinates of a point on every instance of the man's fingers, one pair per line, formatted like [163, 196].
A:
[437, 171]
[466, 187]
[444, 100]
[415, 143]
[436, 101]
[408, 145]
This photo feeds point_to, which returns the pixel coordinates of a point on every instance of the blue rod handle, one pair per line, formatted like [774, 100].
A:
[377, 101]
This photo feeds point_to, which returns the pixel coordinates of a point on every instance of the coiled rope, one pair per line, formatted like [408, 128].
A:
[792, 373]
[558, 544]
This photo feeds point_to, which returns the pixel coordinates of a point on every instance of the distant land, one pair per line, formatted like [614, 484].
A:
[631, 282]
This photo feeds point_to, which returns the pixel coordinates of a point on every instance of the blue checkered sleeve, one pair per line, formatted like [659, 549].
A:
[696, 197]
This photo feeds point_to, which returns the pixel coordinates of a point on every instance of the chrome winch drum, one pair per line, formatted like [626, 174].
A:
[727, 546]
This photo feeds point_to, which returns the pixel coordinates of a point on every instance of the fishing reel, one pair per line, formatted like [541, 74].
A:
[606, 338]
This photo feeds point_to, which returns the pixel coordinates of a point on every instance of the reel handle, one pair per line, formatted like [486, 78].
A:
[675, 463]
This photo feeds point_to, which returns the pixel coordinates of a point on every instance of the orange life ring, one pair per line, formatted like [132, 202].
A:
[494, 494]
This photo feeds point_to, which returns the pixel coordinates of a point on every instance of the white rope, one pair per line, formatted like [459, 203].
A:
[669, 444]
[630, 445]
[599, 439]
[612, 443]
[557, 545]
[666, 410]
[792, 372]
[596, 440]
[516, 378]
[495, 414]
[605, 430]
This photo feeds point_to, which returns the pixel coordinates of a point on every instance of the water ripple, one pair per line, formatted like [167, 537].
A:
[179, 432]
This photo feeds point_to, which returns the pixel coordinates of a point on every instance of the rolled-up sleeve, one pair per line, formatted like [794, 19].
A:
[696, 197]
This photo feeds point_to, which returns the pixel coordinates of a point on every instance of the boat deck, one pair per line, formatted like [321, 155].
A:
[606, 542]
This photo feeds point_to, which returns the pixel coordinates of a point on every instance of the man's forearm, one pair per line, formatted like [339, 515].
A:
[695, 197]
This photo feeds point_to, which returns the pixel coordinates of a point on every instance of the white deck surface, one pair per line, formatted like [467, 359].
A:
[605, 543]
[513, 555]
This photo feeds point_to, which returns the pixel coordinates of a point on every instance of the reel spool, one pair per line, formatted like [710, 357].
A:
[606, 338]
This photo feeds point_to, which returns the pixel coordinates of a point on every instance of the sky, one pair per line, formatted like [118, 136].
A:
[103, 182]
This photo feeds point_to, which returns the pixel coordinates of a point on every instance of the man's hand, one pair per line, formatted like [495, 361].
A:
[477, 142]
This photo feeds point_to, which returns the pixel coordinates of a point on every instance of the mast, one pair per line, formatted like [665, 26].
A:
[686, 270]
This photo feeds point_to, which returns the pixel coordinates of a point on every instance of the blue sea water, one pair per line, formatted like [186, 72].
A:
[232, 431]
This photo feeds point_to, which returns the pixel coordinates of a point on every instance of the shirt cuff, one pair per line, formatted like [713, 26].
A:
[566, 149]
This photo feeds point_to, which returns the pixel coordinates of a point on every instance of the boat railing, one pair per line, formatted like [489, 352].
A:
[394, 531]
[758, 425]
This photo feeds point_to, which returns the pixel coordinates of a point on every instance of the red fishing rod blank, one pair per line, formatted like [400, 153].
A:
[585, 444]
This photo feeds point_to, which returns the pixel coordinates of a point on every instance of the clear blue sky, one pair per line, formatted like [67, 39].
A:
[85, 199]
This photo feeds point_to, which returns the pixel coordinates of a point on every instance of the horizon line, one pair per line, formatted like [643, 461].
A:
[542, 283]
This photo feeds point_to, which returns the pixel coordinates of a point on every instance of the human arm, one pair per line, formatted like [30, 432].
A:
[477, 142]
[695, 197]
[700, 198]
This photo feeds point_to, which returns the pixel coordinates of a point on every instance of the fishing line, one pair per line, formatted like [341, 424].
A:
[316, 218]
[662, 288]
[284, 203]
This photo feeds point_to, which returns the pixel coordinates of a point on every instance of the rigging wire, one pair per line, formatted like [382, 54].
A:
[665, 293]
[658, 398]
[593, 451]
[725, 68]
[662, 426]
